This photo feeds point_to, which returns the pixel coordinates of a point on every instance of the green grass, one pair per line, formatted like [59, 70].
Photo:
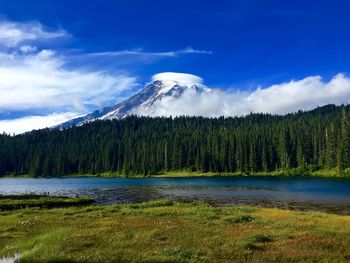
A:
[300, 171]
[173, 174]
[168, 231]
[12, 202]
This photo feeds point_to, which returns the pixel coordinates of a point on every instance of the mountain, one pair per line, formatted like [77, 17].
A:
[163, 85]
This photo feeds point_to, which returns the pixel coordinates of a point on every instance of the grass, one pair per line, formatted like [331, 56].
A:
[174, 174]
[12, 202]
[169, 231]
[300, 171]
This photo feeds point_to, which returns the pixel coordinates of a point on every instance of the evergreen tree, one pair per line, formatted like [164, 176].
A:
[144, 145]
[344, 147]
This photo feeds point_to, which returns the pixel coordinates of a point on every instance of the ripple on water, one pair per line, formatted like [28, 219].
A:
[296, 193]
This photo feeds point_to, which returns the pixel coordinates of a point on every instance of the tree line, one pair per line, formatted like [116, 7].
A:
[317, 139]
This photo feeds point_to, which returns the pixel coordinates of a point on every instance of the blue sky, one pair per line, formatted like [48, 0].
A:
[231, 44]
[259, 42]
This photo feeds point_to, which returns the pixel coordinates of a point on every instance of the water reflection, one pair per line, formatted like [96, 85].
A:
[297, 193]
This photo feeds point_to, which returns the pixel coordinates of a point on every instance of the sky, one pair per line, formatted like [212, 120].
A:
[60, 59]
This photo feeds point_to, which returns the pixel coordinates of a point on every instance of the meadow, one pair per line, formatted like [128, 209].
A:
[169, 231]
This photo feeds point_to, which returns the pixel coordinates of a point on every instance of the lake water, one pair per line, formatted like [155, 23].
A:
[297, 193]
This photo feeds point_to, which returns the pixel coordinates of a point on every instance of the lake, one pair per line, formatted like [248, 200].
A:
[296, 193]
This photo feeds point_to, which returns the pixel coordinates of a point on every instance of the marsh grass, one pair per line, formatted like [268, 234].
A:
[168, 231]
[12, 202]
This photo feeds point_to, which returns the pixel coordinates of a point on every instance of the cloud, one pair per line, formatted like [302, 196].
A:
[190, 50]
[36, 80]
[20, 125]
[305, 94]
[184, 78]
[14, 33]
[27, 49]
[40, 81]
[141, 52]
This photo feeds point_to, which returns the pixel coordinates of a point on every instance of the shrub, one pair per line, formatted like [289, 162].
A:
[260, 238]
[239, 219]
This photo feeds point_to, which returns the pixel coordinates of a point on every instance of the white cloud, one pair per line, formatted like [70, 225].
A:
[304, 94]
[141, 52]
[184, 78]
[190, 50]
[20, 125]
[36, 80]
[27, 49]
[14, 33]
[39, 81]
[292, 96]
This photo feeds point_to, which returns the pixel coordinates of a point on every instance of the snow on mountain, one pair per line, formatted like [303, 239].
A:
[163, 85]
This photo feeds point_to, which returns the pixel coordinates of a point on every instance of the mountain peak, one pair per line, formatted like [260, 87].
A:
[166, 84]
[173, 82]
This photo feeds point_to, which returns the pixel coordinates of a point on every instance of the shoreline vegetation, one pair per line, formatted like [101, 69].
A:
[170, 231]
[13, 202]
[302, 171]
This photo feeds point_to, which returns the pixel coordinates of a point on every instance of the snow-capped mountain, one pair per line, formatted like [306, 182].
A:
[163, 86]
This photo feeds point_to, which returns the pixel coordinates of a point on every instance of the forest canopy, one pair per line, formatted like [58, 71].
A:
[319, 139]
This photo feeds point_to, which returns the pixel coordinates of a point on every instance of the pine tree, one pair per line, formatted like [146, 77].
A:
[143, 145]
[344, 147]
